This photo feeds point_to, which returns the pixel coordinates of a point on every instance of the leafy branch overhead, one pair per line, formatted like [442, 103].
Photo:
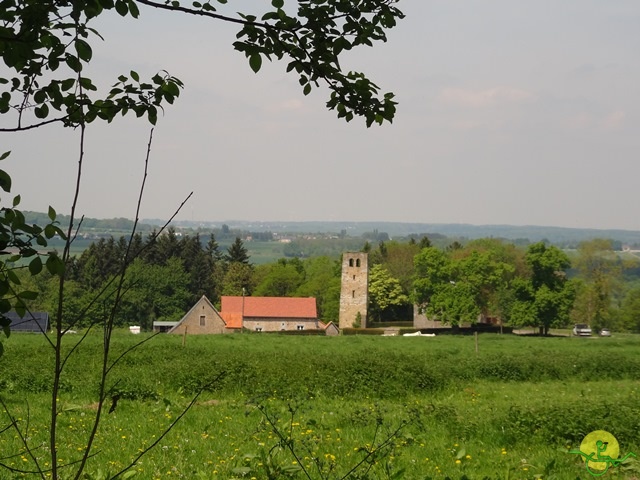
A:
[47, 45]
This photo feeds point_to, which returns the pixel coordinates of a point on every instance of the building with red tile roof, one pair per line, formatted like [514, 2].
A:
[268, 314]
[271, 314]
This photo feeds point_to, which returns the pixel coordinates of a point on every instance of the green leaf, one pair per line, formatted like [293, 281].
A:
[307, 89]
[5, 181]
[20, 308]
[73, 63]
[13, 278]
[121, 8]
[40, 96]
[135, 76]
[84, 50]
[54, 265]
[28, 295]
[49, 231]
[255, 62]
[41, 111]
[5, 155]
[133, 9]
[87, 84]
[7, 332]
[172, 88]
[60, 233]
[52, 213]
[35, 266]
[277, 3]
[67, 84]
[5, 305]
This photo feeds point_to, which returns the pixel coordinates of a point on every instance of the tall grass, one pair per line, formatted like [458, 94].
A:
[510, 411]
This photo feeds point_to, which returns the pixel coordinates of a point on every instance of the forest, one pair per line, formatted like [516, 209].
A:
[539, 285]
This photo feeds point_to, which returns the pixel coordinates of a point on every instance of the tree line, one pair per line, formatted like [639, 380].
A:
[541, 286]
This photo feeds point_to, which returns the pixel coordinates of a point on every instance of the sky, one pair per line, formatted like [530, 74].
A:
[511, 112]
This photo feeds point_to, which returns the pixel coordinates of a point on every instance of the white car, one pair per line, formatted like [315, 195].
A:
[581, 330]
[605, 332]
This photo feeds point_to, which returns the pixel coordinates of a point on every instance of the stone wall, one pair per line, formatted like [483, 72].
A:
[279, 324]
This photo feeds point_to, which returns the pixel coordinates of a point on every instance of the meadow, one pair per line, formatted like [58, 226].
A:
[273, 406]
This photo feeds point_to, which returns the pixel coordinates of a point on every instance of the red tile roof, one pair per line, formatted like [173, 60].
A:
[232, 319]
[270, 307]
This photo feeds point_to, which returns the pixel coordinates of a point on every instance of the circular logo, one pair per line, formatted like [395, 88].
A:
[599, 447]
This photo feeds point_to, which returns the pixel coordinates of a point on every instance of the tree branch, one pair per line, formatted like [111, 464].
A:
[35, 125]
[204, 13]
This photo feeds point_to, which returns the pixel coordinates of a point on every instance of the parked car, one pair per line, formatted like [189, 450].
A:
[605, 332]
[581, 330]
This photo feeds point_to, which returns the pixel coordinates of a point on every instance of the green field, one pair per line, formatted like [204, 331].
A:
[414, 408]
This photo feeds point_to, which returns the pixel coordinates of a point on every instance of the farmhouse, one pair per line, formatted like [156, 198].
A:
[203, 318]
[271, 314]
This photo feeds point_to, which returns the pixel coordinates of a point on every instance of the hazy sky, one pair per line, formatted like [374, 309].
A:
[510, 112]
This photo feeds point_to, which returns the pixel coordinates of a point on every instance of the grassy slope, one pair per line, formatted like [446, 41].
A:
[503, 413]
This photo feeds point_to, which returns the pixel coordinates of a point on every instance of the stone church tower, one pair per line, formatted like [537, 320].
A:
[354, 291]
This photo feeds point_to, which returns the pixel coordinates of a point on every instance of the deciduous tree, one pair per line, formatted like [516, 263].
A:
[545, 300]
[385, 293]
[281, 279]
[599, 274]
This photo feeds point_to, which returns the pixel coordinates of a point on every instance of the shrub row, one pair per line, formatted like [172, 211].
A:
[373, 367]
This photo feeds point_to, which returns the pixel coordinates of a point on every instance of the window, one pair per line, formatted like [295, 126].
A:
[258, 329]
[357, 262]
[351, 262]
[299, 327]
[202, 320]
[283, 326]
[353, 294]
[354, 277]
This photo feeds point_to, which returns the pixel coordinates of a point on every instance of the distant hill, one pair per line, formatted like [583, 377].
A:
[91, 225]
[562, 236]
[530, 233]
